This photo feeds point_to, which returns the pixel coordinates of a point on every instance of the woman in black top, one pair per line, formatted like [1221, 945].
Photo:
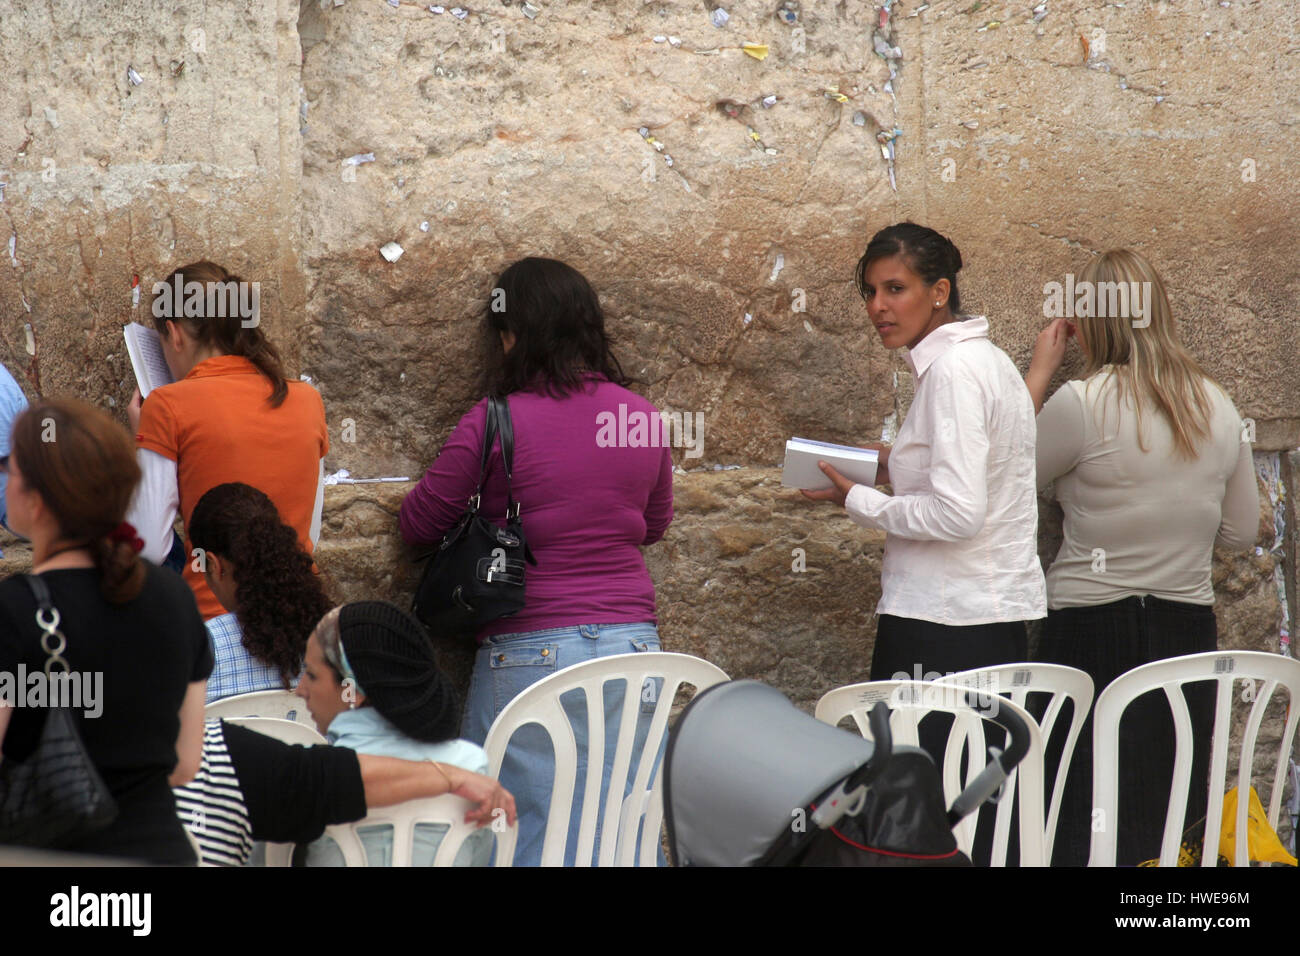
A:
[253, 787]
[135, 639]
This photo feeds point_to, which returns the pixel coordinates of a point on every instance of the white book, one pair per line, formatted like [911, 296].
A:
[801, 457]
[145, 351]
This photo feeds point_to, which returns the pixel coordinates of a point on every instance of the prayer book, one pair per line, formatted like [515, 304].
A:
[146, 354]
[802, 454]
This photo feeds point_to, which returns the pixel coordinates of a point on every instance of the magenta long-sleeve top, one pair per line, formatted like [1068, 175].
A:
[592, 487]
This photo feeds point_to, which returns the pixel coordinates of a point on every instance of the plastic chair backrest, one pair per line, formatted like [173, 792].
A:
[264, 703]
[540, 704]
[909, 701]
[1019, 681]
[1222, 667]
[448, 810]
[291, 732]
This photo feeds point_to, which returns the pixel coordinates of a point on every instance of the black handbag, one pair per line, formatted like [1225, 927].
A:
[55, 797]
[477, 573]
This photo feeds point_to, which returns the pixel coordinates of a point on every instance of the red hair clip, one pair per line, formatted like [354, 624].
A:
[126, 532]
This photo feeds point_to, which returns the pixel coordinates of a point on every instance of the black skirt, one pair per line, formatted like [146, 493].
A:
[911, 649]
[1105, 641]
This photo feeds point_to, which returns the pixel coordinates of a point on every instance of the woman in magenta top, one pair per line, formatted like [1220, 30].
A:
[593, 478]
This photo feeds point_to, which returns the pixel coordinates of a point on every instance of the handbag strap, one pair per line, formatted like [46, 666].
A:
[497, 421]
[53, 640]
[489, 437]
[501, 408]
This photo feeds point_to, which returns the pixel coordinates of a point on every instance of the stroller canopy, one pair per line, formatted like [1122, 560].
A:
[742, 764]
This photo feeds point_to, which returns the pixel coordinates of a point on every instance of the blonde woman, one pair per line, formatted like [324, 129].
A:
[1152, 470]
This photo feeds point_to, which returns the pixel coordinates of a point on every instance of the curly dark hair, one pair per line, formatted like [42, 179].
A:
[280, 598]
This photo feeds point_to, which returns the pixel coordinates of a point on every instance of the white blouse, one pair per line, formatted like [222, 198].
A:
[962, 525]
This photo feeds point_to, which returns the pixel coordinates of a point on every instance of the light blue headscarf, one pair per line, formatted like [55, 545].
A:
[331, 645]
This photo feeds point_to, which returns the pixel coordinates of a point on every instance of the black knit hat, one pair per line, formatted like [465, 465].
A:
[393, 661]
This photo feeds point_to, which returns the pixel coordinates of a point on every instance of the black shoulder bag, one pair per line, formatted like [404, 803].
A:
[56, 796]
[477, 573]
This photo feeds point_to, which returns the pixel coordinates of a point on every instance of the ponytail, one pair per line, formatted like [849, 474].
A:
[279, 598]
[121, 572]
[257, 348]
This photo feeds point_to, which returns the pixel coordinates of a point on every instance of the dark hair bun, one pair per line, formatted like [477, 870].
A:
[954, 256]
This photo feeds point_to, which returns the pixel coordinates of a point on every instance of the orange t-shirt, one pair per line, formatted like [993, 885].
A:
[218, 426]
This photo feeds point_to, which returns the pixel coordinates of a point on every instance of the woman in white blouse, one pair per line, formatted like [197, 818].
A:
[961, 574]
[1152, 469]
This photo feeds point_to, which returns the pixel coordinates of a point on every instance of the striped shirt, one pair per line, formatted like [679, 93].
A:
[211, 806]
[253, 787]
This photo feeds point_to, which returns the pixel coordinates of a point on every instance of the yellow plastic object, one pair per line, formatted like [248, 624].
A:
[1262, 843]
[757, 50]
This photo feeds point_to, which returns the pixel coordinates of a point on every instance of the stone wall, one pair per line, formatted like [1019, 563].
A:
[1033, 141]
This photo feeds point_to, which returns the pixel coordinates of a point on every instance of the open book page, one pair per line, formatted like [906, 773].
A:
[145, 351]
[802, 454]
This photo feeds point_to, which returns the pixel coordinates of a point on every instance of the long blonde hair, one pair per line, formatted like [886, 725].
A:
[1148, 360]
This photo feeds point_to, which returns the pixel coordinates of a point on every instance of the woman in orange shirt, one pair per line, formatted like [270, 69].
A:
[230, 415]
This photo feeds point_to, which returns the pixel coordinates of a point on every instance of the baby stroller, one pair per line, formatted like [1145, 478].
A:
[750, 780]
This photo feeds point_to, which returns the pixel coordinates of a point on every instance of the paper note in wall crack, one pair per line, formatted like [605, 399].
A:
[144, 348]
[802, 454]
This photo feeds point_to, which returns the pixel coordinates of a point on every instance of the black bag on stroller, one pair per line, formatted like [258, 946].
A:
[751, 780]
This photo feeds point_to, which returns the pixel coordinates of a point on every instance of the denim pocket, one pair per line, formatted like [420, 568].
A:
[517, 667]
[527, 655]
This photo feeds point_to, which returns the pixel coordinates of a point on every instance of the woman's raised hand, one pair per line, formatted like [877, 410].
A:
[1049, 353]
[1049, 349]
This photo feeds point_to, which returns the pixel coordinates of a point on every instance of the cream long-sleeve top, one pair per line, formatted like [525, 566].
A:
[962, 524]
[1137, 522]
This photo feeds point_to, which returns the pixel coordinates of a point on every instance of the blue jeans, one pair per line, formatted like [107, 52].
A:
[507, 664]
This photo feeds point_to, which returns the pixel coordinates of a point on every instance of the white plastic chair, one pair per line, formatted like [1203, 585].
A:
[540, 704]
[448, 810]
[909, 701]
[1222, 667]
[282, 704]
[1019, 681]
[291, 732]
